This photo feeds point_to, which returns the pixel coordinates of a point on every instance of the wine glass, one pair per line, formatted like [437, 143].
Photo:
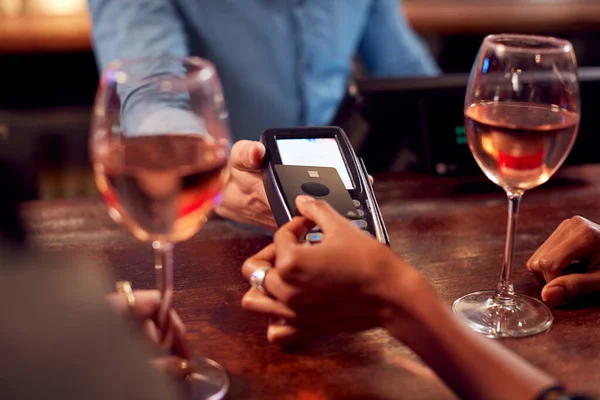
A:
[159, 146]
[522, 112]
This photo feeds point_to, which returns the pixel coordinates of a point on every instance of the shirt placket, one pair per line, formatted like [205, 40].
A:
[299, 20]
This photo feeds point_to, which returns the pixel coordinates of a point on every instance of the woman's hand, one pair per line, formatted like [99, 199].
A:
[351, 281]
[144, 313]
[339, 284]
[576, 240]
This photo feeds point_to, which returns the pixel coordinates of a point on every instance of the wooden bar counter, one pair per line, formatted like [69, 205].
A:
[496, 16]
[452, 229]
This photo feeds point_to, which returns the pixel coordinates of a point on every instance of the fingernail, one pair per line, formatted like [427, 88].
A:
[275, 333]
[261, 149]
[272, 333]
[553, 295]
[303, 199]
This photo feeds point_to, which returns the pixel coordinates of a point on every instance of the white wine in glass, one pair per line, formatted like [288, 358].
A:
[160, 146]
[522, 112]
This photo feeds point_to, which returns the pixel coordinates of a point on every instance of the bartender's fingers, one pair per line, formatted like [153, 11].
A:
[259, 303]
[247, 155]
[371, 179]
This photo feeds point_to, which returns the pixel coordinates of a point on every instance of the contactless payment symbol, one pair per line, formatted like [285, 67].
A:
[313, 174]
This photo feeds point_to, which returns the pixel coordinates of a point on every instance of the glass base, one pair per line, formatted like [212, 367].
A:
[209, 381]
[521, 316]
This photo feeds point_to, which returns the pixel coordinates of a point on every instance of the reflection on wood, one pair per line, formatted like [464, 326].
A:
[31, 34]
[489, 16]
[451, 229]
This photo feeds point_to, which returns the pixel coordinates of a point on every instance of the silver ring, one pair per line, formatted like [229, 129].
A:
[257, 279]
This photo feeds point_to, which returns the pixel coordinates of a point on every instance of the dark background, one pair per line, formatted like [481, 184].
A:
[46, 99]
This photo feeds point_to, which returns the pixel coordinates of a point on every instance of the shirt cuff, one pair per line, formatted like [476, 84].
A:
[164, 121]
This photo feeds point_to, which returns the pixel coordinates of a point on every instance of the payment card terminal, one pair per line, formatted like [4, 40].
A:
[319, 162]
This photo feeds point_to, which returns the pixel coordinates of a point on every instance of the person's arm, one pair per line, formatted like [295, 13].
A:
[124, 29]
[569, 261]
[350, 281]
[143, 29]
[390, 48]
[473, 366]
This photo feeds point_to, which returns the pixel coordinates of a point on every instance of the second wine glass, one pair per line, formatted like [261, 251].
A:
[160, 145]
[522, 115]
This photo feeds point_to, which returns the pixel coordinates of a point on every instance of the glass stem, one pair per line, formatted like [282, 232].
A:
[505, 290]
[163, 266]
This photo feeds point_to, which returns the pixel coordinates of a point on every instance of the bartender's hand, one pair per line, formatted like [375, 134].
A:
[336, 285]
[576, 240]
[244, 197]
[144, 314]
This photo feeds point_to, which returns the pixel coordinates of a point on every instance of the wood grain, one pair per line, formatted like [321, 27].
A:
[44, 34]
[498, 16]
[452, 229]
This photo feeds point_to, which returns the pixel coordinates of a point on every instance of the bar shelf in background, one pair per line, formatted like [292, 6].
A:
[41, 28]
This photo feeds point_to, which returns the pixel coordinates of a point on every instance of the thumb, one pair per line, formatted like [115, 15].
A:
[319, 212]
[247, 155]
[571, 286]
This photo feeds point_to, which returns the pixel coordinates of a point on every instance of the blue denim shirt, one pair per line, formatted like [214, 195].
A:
[281, 62]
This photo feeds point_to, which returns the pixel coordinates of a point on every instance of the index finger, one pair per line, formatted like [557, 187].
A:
[555, 238]
[556, 259]
[292, 233]
[247, 155]
[320, 212]
[263, 258]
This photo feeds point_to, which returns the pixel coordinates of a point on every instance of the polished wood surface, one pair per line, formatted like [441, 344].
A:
[497, 16]
[452, 229]
[43, 34]
[39, 32]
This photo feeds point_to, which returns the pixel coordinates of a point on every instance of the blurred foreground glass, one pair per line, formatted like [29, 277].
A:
[159, 145]
[522, 116]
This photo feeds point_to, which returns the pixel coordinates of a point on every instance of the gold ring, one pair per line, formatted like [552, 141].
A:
[184, 365]
[124, 288]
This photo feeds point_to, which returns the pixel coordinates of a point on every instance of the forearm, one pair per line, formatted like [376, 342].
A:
[125, 29]
[473, 366]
